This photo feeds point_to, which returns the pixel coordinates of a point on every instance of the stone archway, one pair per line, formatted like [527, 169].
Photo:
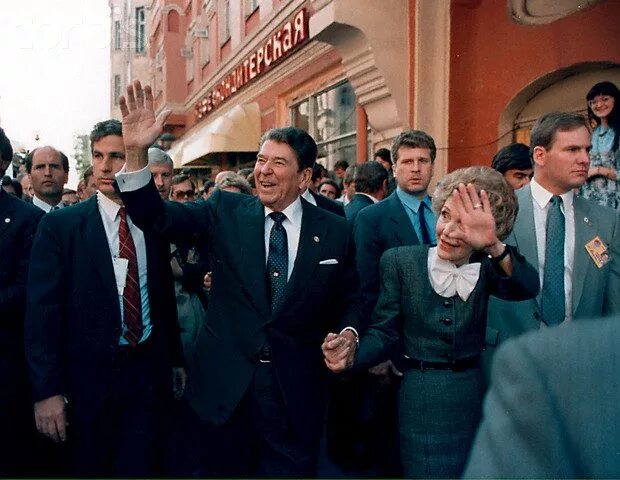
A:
[562, 90]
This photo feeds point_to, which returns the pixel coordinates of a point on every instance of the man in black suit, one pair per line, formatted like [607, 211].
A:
[279, 270]
[394, 222]
[323, 202]
[552, 407]
[370, 187]
[102, 341]
[18, 223]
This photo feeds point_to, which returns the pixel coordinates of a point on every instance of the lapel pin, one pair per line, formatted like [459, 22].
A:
[316, 239]
[587, 220]
[8, 220]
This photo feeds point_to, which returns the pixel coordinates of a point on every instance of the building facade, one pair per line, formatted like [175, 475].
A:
[354, 73]
[129, 58]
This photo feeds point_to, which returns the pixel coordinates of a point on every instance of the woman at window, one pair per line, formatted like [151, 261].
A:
[602, 185]
[433, 303]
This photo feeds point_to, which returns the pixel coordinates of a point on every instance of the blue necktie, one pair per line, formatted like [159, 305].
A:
[553, 302]
[426, 238]
[277, 261]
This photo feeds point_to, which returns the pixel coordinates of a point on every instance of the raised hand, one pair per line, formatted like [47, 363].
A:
[477, 226]
[140, 126]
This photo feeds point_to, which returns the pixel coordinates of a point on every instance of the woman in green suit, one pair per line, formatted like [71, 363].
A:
[434, 301]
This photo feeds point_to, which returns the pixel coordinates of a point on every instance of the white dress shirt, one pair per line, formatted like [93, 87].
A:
[111, 221]
[46, 207]
[542, 198]
[307, 196]
[374, 200]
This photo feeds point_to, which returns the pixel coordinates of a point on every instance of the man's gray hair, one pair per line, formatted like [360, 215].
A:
[158, 157]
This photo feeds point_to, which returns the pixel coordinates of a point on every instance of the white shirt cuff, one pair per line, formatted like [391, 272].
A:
[357, 335]
[131, 181]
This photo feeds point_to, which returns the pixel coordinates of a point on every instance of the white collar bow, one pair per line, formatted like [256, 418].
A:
[448, 280]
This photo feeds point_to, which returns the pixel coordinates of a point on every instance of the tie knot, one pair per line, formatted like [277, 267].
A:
[277, 217]
[556, 200]
[122, 213]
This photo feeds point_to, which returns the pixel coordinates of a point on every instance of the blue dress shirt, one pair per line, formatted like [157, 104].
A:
[412, 205]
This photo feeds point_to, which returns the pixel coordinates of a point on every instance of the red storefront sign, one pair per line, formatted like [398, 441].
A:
[292, 34]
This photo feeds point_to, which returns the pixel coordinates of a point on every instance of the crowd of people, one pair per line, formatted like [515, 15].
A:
[288, 321]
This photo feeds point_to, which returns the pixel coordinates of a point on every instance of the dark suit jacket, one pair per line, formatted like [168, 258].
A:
[552, 408]
[239, 320]
[357, 203]
[73, 322]
[18, 223]
[378, 228]
[328, 204]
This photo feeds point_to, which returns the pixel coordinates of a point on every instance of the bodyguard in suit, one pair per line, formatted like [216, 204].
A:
[370, 187]
[323, 202]
[404, 218]
[552, 408]
[574, 243]
[18, 222]
[279, 270]
[101, 335]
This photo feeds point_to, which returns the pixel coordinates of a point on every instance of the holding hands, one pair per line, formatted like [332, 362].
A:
[339, 350]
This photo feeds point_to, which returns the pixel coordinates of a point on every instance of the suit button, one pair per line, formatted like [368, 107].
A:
[537, 315]
[446, 321]
[446, 339]
[447, 303]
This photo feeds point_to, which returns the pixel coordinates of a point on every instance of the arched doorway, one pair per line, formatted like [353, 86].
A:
[563, 90]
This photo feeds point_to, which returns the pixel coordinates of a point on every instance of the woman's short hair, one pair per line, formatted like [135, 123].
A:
[503, 201]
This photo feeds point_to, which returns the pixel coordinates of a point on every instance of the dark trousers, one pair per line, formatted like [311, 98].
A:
[122, 439]
[362, 425]
[258, 440]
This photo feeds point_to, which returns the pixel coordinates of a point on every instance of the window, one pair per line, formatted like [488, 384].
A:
[225, 24]
[117, 88]
[140, 30]
[117, 35]
[250, 6]
[329, 116]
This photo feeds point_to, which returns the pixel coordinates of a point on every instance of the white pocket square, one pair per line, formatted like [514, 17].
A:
[331, 261]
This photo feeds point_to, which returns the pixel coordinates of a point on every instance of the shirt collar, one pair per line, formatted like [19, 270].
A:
[46, 207]
[410, 201]
[108, 207]
[293, 212]
[374, 200]
[309, 197]
[542, 196]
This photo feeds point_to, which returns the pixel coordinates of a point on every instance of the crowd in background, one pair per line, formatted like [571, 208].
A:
[285, 320]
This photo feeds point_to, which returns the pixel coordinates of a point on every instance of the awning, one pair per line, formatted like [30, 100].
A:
[238, 130]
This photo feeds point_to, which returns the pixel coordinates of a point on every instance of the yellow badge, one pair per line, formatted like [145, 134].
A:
[598, 251]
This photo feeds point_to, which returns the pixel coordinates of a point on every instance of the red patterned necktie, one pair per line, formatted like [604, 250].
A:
[132, 302]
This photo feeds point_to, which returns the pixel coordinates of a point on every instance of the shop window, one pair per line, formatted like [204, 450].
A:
[140, 30]
[329, 116]
[117, 35]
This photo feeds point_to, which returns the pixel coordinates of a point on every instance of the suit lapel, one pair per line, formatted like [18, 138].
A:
[524, 230]
[6, 213]
[251, 230]
[584, 232]
[402, 225]
[313, 232]
[97, 242]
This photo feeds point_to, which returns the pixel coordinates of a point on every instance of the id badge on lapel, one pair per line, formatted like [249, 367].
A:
[598, 251]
